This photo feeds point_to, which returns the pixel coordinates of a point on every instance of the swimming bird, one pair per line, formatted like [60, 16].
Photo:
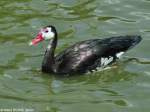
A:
[83, 56]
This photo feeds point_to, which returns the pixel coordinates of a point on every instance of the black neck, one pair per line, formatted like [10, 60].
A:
[48, 63]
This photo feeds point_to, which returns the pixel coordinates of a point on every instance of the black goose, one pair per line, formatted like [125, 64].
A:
[83, 56]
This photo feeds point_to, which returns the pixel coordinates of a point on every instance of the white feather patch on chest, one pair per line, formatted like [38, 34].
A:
[105, 61]
[118, 55]
[49, 47]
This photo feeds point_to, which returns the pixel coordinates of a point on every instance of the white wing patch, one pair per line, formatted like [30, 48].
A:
[106, 61]
[118, 55]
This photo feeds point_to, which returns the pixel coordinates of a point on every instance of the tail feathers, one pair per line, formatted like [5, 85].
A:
[124, 42]
[135, 40]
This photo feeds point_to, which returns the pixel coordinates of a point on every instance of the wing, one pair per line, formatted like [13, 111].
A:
[81, 57]
[87, 55]
[77, 57]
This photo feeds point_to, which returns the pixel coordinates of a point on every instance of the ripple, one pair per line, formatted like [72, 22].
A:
[12, 64]
[78, 11]
[111, 92]
[67, 33]
[112, 1]
[146, 85]
[120, 102]
[106, 18]
[21, 80]
[18, 98]
[147, 73]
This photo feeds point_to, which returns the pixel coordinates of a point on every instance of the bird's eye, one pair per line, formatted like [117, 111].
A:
[46, 31]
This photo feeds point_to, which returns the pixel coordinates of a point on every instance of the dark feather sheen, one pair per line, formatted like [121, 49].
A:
[86, 55]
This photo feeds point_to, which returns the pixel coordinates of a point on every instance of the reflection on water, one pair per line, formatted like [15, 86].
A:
[124, 87]
[66, 86]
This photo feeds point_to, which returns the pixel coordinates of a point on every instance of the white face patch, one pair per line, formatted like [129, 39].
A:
[47, 33]
[106, 61]
[118, 55]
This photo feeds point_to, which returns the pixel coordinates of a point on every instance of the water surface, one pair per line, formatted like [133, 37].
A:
[125, 88]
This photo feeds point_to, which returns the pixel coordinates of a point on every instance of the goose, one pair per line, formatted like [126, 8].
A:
[83, 56]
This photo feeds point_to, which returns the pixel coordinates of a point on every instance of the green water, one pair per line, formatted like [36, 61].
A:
[125, 88]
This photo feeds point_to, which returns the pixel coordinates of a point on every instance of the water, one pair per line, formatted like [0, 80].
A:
[125, 88]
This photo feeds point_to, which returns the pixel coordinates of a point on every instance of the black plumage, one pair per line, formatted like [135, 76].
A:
[86, 55]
